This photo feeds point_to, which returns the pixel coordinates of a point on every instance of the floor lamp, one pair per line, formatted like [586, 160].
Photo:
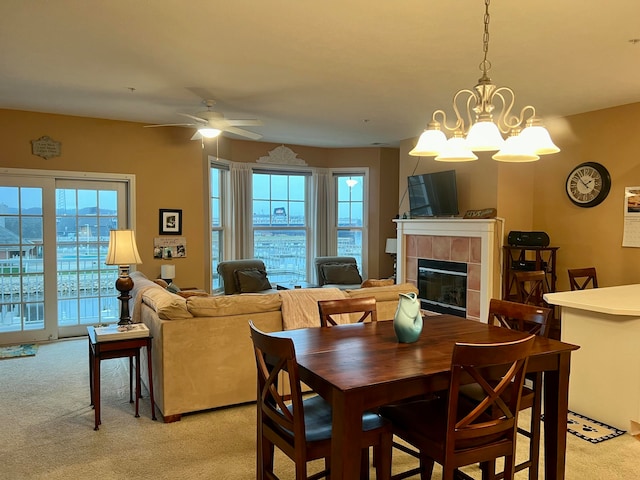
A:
[124, 253]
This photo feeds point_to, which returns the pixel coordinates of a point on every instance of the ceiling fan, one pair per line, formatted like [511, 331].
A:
[210, 124]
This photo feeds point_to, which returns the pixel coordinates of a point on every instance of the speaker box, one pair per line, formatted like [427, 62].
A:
[528, 239]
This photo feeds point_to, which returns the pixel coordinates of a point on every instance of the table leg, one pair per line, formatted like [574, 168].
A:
[96, 389]
[150, 372]
[91, 372]
[346, 436]
[130, 379]
[556, 406]
[137, 380]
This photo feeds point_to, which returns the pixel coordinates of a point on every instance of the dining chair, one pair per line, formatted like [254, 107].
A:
[301, 428]
[531, 286]
[534, 320]
[580, 278]
[329, 309]
[455, 432]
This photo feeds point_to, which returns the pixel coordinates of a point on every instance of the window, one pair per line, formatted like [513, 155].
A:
[280, 233]
[350, 215]
[217, 176]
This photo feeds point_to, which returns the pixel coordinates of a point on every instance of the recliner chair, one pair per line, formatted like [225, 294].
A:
[338, 272]
[244, 276]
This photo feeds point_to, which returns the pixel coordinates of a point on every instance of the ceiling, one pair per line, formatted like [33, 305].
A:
[330, 73]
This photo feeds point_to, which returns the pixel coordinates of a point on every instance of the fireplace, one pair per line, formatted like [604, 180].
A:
[476, 243]
[442, 286]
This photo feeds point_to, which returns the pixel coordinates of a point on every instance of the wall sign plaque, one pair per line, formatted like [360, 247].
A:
[46, 147]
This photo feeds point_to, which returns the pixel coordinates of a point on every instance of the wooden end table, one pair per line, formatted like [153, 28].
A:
[118, 348]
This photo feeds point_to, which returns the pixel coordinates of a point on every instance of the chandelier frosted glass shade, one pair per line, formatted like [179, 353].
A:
[484, 136]
[431, 142]
[456, 150]
[516, 151]
[538, 138]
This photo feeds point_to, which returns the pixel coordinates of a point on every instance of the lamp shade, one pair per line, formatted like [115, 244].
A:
[391, 246]
[430, 143]
[456, 151]
[122, 248]
[168, 272]
[484, 136]
[515, 150]
[538, 139]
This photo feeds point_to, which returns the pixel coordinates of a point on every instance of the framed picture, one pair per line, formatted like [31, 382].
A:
[170, 222]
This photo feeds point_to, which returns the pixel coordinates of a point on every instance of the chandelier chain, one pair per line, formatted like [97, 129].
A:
[486, 64]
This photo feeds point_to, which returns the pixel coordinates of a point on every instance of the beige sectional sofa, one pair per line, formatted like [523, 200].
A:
[202, 354]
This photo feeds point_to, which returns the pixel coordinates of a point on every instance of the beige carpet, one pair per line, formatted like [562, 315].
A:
[46, 431]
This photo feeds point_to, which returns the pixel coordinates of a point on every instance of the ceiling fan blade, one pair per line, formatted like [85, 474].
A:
[171, 125]
[245, 123]
[243, 133]
[197, 119]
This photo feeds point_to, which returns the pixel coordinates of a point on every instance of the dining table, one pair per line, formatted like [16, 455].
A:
[362, 366]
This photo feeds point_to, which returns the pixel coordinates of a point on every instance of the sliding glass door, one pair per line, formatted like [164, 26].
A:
[54, 234]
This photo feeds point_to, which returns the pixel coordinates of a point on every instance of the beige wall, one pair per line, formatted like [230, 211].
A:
[531, 196]
[171, 172]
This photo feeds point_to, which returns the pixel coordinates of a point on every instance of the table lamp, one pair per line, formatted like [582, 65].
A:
[168, 273]
[392, 249]
[124, 253]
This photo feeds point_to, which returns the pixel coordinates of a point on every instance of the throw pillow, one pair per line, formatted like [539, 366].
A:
[341, 273]
[252, 280]
[373, 282]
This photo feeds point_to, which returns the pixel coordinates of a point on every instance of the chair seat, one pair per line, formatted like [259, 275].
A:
[318, 418]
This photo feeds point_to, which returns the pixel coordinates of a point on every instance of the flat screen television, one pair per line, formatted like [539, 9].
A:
[433, 194]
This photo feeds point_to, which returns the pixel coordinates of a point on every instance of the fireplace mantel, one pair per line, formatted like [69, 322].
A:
[476, 242]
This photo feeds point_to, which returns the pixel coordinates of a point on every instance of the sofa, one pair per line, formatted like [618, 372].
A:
[338, 272]
[202, 355]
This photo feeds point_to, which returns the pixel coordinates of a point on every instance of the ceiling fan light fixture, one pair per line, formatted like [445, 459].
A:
[208, 132]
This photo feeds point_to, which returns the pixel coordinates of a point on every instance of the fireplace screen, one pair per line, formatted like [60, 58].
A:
[442, 286]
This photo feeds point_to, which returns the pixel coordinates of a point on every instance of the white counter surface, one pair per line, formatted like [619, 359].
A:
[620, 300]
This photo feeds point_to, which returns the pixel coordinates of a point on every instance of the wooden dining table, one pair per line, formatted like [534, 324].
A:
[362, 366]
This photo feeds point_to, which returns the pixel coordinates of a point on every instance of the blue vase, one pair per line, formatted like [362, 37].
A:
[407, 322]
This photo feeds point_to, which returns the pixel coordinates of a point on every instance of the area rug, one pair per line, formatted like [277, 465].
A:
[590, 430]
[13, 351]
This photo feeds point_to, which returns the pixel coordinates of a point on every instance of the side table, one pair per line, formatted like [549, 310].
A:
[118, 348]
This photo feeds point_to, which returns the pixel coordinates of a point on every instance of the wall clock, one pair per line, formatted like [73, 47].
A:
[588, 184]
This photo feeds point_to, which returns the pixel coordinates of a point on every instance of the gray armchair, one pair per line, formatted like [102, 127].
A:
[244, 276]
[338, 272]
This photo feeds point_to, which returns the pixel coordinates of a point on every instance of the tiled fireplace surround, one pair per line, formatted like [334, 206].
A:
[474, 242]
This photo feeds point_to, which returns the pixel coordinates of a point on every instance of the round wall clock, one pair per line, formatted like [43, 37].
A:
[588, 184]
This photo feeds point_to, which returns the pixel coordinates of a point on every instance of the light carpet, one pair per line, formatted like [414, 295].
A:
[13, 351]
[46, 431]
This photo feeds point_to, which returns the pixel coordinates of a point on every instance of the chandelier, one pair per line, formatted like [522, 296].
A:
[527, 138]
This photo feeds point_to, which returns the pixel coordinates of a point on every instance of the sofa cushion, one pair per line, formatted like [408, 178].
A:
[341, 273]
[167, 305]
[383, 294]
[374, 282]
[252, 280]
[227, 305]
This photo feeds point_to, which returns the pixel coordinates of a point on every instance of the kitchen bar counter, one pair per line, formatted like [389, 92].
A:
[605, 372]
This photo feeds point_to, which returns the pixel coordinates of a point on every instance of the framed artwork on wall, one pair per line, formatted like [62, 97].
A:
[170, 222]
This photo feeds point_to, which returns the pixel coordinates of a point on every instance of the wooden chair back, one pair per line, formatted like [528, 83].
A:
[580, 278]
[519, 316]
[531, 287]
[480, 435]
[329, 309]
